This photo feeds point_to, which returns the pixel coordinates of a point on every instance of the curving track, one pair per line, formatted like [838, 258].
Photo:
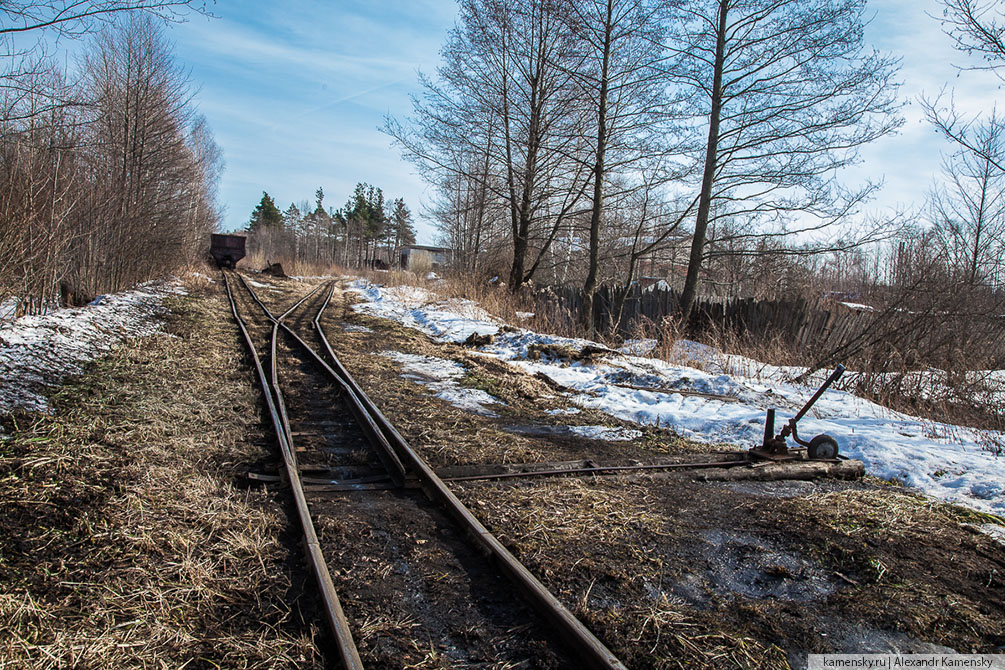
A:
[418, 574]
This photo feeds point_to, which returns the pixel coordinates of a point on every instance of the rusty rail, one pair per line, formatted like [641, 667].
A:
[592, 651]
[337, 622]
[371, 430]
[405, 462]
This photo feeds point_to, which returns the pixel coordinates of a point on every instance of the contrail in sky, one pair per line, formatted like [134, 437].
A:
[345, 98]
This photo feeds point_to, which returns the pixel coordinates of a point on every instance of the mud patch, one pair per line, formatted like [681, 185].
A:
[737, 563]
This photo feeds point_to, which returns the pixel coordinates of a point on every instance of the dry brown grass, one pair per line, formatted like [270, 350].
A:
[125, 541]
[292, 267]
[595, 544]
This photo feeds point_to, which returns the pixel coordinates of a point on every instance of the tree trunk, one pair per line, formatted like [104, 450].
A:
[705, 197]
[598, 178]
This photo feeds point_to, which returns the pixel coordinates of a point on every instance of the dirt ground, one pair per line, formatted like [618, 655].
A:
[672, 571]
[129, 536]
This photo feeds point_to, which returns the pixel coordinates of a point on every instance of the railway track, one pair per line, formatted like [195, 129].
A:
[404, 570]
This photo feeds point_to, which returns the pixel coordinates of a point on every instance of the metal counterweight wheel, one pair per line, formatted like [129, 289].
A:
[822, 446]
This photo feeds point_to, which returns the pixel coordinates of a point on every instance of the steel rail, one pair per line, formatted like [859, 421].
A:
[371, 430]
[337, 622]
[594, 654]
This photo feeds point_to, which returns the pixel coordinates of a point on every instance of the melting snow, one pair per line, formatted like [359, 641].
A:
[447, 320]
[606, 433]
[638, 347]
[440, 376]
[725, 400]
[258, 284]
[39, 351]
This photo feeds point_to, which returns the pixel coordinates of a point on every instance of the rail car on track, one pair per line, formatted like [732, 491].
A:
[226, 250]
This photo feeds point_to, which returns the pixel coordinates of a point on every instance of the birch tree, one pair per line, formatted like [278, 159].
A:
[787, 95]
[623, 90]
[495, 124]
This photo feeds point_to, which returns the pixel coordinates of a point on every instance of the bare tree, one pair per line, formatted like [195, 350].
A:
[42, 189]
[25, 25]
[968, 209]
[495, 125]
[977, 28]
[104, 184]
[623, 91]
[787, 95]
[139, 98]
[76, 17]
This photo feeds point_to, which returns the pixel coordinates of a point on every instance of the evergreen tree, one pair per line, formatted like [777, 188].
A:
[401, 232]
[364, 220]
[265, 214]
[291, 217]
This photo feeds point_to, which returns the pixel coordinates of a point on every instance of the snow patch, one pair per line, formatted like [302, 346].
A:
[256, 284]
[606, 433]
[414, 307]
[37, 352]
[638, 347]
[199, 275]
[441, 376]
[716, 398]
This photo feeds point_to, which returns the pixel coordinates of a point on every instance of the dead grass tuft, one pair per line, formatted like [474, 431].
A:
[887, 511]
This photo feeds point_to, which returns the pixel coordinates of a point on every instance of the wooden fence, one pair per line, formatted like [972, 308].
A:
[819, 329]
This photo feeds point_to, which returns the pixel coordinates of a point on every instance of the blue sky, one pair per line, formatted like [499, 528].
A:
[295, 92]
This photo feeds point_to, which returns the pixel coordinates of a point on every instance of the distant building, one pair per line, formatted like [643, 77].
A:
[418, 257]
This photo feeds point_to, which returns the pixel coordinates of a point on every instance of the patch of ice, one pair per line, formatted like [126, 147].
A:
[37, 352]
[606, 433]
[523, 316]
[440, 376]
[563, 412]
[355, 328]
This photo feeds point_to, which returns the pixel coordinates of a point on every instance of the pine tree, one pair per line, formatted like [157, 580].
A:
[401, 232]
[364, 220]
[265, 214]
